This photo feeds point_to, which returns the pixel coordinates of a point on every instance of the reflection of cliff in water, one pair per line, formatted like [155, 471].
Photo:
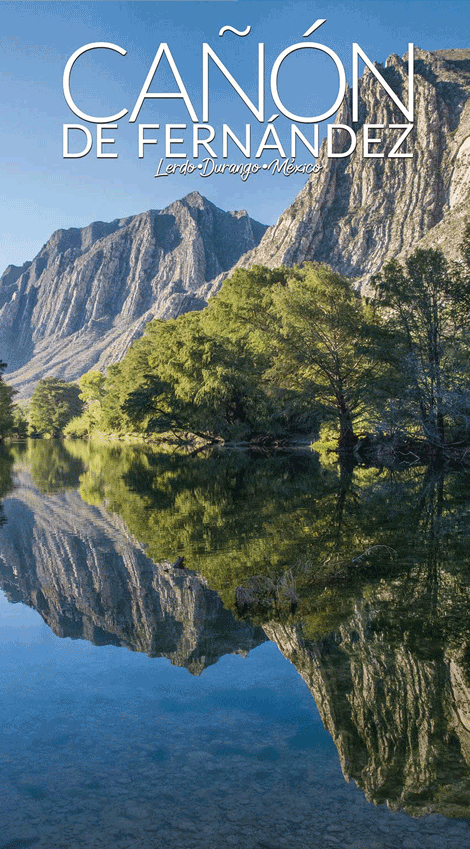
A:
[78, 566]
[381, 634]
[393, 689]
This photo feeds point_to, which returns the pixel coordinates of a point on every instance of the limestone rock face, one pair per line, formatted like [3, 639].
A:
[358, 212]
[89, 579]
[90, 292]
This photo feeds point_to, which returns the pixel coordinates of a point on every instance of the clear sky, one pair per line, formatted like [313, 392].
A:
[41, 191]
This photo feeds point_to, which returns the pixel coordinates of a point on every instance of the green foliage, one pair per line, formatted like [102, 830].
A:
[19, 428]
[80, 426]
[92, 392]
[6, 404]
[242, 316]
[278, 353]
[91, 386]
[188, 375]
[6, 480]
[54, 403]
[329, 345]
[272, 350]
[427, 308]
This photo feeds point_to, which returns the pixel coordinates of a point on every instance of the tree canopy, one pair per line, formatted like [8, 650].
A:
[53, 404]
[274, 351]
[6, 404]
[427, 308]
[278, 352]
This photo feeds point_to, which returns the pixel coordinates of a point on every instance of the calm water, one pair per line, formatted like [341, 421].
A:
[139, 708]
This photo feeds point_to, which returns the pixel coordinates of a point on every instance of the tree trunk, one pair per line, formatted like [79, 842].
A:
[347, 437]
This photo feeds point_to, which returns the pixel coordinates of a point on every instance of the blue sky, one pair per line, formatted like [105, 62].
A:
[42, 191]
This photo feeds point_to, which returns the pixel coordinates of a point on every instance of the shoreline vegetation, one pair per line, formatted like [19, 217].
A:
[284, 357]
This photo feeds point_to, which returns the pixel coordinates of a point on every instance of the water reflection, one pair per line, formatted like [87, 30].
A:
[396, 706]
[77, 565]
[380, 564]
[6, 482]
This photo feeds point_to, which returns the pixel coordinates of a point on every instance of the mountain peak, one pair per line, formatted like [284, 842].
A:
[196, 199]
[358, 212]
[90, 291]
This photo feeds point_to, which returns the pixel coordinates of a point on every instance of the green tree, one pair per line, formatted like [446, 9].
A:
[321, 344]
[330, 345]
[92, 392]
[186, 374]
[271, 350]
[426, 304]
[6, 404]
[242, 320]
[91, 386]
[53, 404]
[19, 428]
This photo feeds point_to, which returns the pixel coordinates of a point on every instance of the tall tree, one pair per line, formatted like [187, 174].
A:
[271, 350]
[54, 403]
[6, 404]
[326, 343]
[188, 374]
[426, 304]
[91, 394]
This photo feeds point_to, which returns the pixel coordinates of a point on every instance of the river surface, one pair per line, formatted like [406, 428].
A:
[300, 681]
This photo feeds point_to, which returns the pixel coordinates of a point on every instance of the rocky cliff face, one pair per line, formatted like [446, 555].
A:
[89, 579]
[90, 292]
[357, 212]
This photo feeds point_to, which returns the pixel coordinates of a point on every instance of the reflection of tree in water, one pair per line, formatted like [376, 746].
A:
[89, 579]
[233, 514]
[380, 560]
[52, 467]
[230, 514]
[6, 483]
[392, 682]
[381, 564]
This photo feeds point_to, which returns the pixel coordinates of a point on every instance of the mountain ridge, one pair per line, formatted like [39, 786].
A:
[90, 291]
[358, 213]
